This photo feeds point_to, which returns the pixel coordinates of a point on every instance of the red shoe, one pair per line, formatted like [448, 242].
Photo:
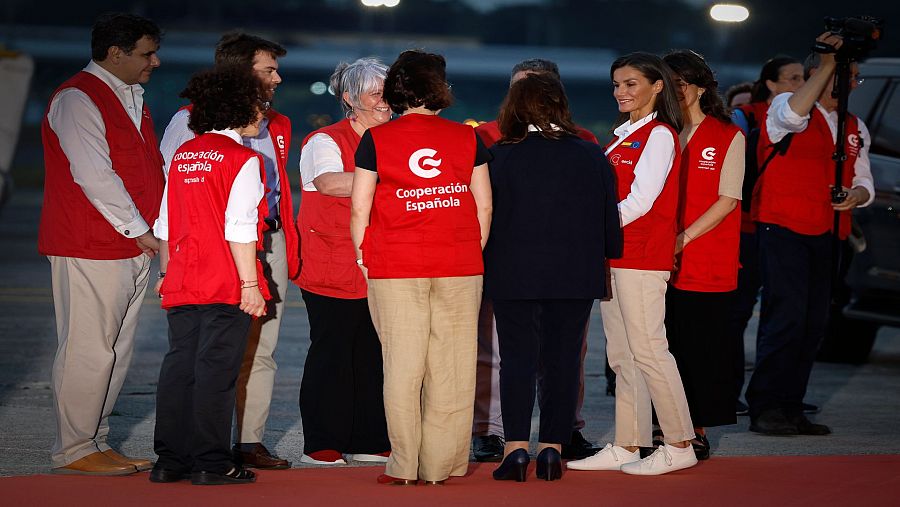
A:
[325, 457]
[387, 479]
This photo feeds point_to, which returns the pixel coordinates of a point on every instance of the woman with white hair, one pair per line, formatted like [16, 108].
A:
[341, 402]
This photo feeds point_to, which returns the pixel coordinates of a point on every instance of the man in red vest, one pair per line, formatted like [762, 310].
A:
[280, 255]
[102, 187]
[793, 208]
[487, 430]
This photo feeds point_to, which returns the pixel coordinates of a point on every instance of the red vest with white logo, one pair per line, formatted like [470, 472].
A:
[424, 222]
[280, 132]
[489, 132]
[649, 241]
[201, 268]
[755, 112]
[326, 250]
[709, 263]
[70, 225]
[794, 191]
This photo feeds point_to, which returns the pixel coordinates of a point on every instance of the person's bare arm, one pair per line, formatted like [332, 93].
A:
[481, 192]
[244, 255]
[334, 184]
[803, 100]
[706, 222]
[361, 197]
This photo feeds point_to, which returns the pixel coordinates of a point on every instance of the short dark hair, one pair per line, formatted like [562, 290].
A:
[223, 97]
[769, 72]
[654, 69]
[693, 69]
[120, 30]
[239, 48]
[417, 79]
[735, 90]
[536, 65]
[540, 100]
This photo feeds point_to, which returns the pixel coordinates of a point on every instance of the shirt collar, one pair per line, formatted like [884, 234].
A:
[230, 133]
[535, 128]
[111, 80]
[625, 129]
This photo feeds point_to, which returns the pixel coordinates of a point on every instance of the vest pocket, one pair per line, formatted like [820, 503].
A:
[329, 260]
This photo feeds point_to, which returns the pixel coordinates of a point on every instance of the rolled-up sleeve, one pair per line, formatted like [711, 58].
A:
[782, 120]
[319, 155]
[161, 226]
[862, 170]
[242, 213]
[82, 136]
[177, 133]
[650, 175]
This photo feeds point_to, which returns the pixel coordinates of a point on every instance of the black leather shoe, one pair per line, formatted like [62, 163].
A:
[549, 465]
[514, 467]
[773, 422]
[487, 448]
[807, 427]
[579, 447]
[701, 446]
[160, 474]
[236, 475]
[257, 456]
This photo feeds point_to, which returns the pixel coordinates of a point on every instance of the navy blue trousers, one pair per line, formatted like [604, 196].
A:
[796, 293]
[742, 309]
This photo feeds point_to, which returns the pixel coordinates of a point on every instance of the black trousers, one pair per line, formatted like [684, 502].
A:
[545, 335]
[196, 391]
[695, 327]
[341, 401]
[796, 278]
[741, 311]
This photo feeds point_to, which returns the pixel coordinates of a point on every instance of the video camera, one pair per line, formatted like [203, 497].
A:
[860, 36]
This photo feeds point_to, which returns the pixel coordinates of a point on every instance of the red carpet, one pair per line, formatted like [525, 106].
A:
[771, 481]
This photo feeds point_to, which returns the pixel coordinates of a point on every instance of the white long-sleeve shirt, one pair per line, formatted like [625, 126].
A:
[241, 216]
[79, 126]
[782, 120]
[651, 170]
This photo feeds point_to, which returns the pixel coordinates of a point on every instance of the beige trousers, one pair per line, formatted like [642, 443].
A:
[97, 304]
[636, 345]
[428, 333]
[257, 376]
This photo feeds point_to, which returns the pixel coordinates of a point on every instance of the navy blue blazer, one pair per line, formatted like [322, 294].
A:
[555, 220]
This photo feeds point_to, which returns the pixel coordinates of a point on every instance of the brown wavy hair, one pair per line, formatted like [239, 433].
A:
[539, 100]
[692, 69]
[417, 79]
[654, 69]
[224, 97]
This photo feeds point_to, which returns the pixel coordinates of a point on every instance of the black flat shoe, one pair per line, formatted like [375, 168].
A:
[514, 467]
[549, 465]
[701, 446]
[236, 475]
[160, 474]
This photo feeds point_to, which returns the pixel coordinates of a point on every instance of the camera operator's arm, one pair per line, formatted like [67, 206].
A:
[863, 191]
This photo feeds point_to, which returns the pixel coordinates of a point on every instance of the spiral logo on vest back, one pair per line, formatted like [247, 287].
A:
[708, 153]
[421, 159]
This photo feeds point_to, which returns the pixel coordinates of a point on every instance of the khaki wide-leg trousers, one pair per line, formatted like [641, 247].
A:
[638, 351]
[97, 304]
[428, 333]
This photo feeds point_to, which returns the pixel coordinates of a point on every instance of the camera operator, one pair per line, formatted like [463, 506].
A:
[793, 206]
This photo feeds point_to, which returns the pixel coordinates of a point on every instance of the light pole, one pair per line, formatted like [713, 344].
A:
[725, 15]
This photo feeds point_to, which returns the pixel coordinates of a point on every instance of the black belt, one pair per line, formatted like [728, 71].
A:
[272, 224]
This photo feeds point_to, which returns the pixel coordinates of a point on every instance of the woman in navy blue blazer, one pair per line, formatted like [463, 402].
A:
[555, 222]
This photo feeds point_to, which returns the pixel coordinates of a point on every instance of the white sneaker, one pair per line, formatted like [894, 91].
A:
[665, 459]
[313, 461]
[611, 457]
[371, 458]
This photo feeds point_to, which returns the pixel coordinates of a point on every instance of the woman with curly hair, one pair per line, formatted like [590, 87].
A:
[421, 212]
[701, 289]
[211, 282]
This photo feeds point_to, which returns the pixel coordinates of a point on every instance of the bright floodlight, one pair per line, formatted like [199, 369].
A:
[380, 3]
[391, 3]
[729, 13]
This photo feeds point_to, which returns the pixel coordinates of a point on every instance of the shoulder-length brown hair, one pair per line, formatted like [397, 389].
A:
[417, 79]
[539, 100]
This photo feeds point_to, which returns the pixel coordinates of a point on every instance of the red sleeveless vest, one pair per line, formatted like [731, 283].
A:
[326, 249]
[755, 112]
[709, 263]
[70, 225]
[201, 268]
[649, 241]
[794, 192]
[280, 133]
[424, 222]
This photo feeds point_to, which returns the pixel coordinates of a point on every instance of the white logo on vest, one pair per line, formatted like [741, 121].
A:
[708, 153]
[420, 158]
